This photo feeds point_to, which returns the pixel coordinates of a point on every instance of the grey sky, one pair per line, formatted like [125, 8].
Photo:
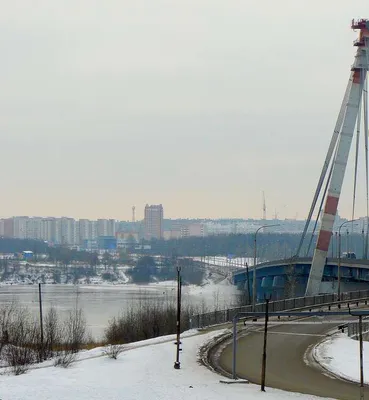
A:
[198, 105]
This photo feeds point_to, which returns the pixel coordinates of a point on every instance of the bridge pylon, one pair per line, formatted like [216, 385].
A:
[338, 152]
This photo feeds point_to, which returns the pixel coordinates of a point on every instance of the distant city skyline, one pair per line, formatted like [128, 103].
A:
[111, 233]
[123, 103]
[140, 216]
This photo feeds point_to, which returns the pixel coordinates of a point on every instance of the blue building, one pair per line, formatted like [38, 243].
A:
[90, 245]
[27, 254]
[107, 242]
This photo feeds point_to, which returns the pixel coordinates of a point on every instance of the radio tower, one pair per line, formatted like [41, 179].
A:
[133, 214]
[338, 152]
[264, 207]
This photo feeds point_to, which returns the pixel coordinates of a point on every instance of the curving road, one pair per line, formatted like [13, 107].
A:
[286, 368]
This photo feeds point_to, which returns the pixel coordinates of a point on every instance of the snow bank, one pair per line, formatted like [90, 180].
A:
[339, 354]
[144, 373]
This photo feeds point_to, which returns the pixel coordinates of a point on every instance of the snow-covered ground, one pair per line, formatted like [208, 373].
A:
[143, 372]
[339, 354]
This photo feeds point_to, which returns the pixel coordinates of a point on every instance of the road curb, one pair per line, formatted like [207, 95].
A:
[313, 352]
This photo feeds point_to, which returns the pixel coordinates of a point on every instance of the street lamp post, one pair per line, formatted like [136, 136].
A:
[339, 258]
[177, 364]
[254, 272]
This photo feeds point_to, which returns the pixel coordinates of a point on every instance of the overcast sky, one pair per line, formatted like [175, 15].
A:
[196, 104]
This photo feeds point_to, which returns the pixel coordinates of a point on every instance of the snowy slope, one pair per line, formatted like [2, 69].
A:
[339, 354]
[143, 373]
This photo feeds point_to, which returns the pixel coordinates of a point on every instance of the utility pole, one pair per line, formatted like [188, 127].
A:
[248, 281]
[361, 358]
[263, 366]
[41, 321]
[254, 288]
[177, 364]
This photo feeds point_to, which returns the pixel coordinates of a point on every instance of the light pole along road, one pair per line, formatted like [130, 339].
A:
[339, 258]
[287, 368]
[254, 272]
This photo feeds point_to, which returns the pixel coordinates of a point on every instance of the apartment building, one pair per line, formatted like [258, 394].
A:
[106, 227]
[153, 222]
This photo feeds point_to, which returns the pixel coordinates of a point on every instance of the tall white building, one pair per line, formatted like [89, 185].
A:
[48, 229]
[68, 231]
[94, 234]
[2, 227]
[34, 228]
[20, 227]
[106, 227]
[87, 230]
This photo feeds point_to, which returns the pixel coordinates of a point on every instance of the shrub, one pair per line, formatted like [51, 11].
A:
[74, 331]
[65, 358]
[20, 338]
[150, 319]
[113, 351]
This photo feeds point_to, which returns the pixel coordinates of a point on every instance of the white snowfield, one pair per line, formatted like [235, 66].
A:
[143, 372]
[340, 355]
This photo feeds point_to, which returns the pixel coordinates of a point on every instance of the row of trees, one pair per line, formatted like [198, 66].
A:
[10, 245]
[147, 270]
[270, 245]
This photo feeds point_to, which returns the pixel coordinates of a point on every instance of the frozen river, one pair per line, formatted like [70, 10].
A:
[100, 303]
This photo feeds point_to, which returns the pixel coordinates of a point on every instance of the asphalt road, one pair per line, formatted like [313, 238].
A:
[286, 368]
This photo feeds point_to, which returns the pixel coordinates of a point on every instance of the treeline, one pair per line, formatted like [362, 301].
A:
[9, 245]
[149, 270]
[269, 245]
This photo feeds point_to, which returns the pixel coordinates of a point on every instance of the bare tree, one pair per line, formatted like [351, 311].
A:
[52, 332]
[74, 334]
[22, 341]
[290, 281]
[75, 330]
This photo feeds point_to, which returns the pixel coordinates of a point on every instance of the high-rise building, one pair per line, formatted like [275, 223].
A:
[85, 230]
[106, 227]
[48, 229]
[9, 227]
[68, 231]
[153, 222]
[34, 228]
[20, 227]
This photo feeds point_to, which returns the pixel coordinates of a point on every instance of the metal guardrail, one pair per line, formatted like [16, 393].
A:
[199, 321]
[353, 329]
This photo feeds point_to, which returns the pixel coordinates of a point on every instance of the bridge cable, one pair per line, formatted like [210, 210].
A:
[321, 204]
[366, 164]
[327, 161]
[358, 127]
